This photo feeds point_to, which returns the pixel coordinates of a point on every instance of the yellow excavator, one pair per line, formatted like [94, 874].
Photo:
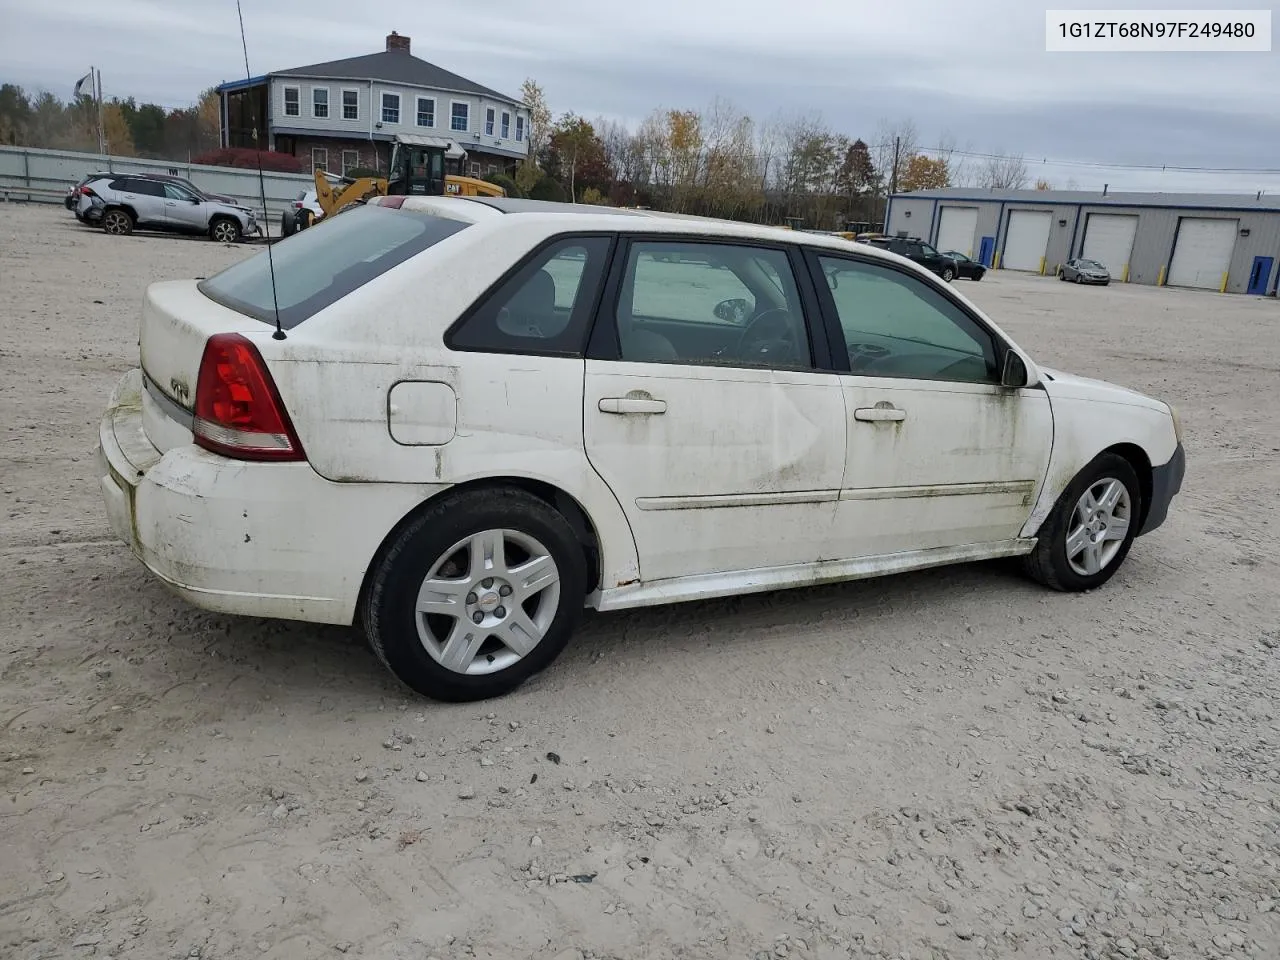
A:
[419, 167]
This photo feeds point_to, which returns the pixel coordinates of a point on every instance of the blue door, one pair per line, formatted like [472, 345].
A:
[1259, 276]
[987, 250]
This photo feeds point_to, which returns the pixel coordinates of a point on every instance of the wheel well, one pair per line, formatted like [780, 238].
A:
[122, 206]
[1141, 464]
[566, 505]
[219, 217]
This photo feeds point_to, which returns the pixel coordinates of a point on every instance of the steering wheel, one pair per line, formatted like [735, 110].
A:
[863, 355]
[756, 345]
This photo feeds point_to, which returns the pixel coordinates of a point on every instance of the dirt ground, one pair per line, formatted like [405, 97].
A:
[954, 764]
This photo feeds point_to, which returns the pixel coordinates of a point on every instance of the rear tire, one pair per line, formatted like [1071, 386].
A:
[1057, 560]
[286, 225]
[426, 636]
[118, 223]
[948, 274]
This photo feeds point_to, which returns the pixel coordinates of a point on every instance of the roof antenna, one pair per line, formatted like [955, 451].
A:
[262, 188]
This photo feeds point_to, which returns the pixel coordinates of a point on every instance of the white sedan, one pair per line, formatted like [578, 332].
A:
[458, 421]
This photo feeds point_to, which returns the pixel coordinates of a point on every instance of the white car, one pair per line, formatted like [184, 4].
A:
[303, 211]
[479, 415]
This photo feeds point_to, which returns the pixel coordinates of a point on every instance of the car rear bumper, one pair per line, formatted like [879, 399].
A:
[256, 539]
[1166, 481]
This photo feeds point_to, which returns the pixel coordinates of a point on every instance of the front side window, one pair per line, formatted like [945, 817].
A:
[711, 303]
[426, 112]
[460, 117]
[174, 192]
[292, 101]
[391, 108]
[316, 268]
[545, 308]
[898, 325]
[350, 104]
[320, 103]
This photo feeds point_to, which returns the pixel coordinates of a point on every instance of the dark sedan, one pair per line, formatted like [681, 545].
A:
[966, 267]
[1085, 271]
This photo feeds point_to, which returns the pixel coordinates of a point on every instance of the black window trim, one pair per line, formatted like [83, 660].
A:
[603, 342]
[831, 316]
[591, 307]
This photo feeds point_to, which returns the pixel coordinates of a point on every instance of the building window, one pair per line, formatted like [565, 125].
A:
[519, 129]
[460, 117]
[391, 108]
[475, 169]
[488, 122]
[319, 158]
[350, 160]
[426, 112]
[320, 103]
[292, 102]
[350, 104]
[506, 126]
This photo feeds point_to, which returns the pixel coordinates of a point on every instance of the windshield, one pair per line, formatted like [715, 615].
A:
[1091, 264]
[318, 267]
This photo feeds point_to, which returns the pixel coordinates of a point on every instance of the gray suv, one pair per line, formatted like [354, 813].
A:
[123, 202]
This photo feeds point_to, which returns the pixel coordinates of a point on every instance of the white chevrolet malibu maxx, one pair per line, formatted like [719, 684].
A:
[457, 422]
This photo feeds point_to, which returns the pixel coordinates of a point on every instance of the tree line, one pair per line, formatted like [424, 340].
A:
[716, 161]
[130, 129]
[721, 162]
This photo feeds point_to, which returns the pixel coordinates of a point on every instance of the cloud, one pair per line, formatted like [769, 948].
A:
[977, 71]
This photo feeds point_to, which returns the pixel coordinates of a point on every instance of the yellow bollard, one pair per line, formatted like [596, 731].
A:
[1160, 279]
[1042, 259]
[1125, 278]
[1223, 288]
[995, 263]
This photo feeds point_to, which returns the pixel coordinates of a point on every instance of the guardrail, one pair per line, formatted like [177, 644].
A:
[43, 176]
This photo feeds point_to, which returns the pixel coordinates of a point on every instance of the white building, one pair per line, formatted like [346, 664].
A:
[345, 114]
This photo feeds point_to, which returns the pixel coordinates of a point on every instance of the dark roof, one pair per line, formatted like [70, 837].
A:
[1208, 201]
[394, 66]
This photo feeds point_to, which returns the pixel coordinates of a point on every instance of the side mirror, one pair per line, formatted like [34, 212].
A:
[733, 311]
[1014, 374]
[195, 201]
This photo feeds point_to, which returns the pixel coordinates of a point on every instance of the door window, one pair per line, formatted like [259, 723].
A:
[544, 308]
[711, 303]
[149, 188]
[897, 325]
[175, 192]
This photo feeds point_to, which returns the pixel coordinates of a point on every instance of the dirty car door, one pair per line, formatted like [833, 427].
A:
[939, 454]
[722, 443]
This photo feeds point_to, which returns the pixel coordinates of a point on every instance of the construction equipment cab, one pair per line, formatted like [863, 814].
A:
[420, 166]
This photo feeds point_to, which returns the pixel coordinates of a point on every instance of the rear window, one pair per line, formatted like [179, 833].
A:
[319, 266]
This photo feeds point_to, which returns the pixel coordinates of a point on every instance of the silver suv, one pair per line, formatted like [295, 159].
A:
[123, 202]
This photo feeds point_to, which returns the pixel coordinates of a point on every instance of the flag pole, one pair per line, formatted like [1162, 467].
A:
[102, 137]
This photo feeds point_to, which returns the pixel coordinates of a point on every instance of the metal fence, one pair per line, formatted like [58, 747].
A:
[29, 173]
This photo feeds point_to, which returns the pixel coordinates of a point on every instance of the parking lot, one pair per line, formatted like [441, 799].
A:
[949, 764]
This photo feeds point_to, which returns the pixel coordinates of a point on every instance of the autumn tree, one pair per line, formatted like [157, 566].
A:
[577, 155]
[115, 131]
[924, 173]
[1043, 185]
[537, 135]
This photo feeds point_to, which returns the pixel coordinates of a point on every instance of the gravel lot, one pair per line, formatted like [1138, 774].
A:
[952, 764]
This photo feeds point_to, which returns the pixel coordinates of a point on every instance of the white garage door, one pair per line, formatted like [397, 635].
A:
[956, 229]
[1108, 238]
[1202, 253]
[1027, 240]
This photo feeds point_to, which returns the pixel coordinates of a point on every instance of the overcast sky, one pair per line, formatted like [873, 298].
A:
[976, 70]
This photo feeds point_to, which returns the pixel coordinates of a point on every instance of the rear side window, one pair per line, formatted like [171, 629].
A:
[318, 267]
[543, 308]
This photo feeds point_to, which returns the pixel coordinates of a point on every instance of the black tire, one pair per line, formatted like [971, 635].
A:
[118, 222]
[1079, 279]
[303, 219]
[390, 616]
[948, 274]
[225, 230]
[1048, 563]
[287, 227]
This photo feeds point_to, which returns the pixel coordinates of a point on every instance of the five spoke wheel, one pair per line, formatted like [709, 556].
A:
[1099, 527]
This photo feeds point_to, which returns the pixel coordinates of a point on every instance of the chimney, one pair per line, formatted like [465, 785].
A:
[397, 43]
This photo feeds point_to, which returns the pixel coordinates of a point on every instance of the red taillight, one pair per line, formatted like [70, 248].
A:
[239, 412]
[87, 191]
[297, 204]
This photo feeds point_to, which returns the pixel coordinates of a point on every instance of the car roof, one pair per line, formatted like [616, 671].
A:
[587, 216]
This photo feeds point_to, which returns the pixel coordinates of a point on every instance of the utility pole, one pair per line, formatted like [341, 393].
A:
[893, 173]
[102, 136]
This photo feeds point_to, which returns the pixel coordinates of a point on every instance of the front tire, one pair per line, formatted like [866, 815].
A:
[948, 274]
[224, 230]
[1087, 536]
[476, 594]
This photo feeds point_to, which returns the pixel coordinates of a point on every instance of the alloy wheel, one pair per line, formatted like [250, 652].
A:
[1099, 526]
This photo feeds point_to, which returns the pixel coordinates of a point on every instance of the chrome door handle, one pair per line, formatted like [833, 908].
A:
[879, 414]
[631, 405]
